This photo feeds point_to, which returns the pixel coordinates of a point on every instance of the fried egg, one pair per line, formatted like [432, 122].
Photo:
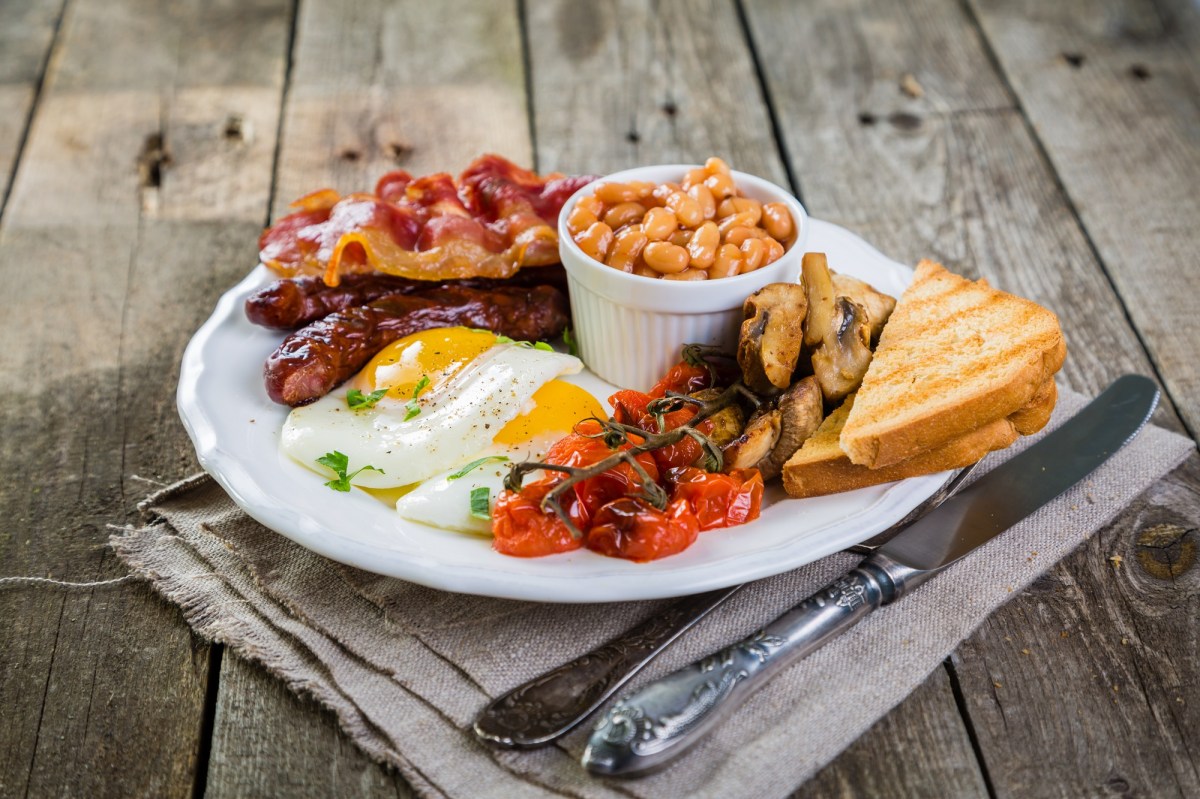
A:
[443, 399]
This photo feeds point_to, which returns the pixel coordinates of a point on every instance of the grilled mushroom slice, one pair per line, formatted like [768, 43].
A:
[878, 305]
[837, 329]
[801, 412]
[842, 359]
[756, 441]
[771, 336]
[728, 422]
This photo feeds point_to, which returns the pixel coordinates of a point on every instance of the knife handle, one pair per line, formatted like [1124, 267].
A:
[650, 727]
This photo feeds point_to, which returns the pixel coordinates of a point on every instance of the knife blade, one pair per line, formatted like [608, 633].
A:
[650, 727]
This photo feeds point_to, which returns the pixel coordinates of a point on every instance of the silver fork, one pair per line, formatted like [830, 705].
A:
[554, 703]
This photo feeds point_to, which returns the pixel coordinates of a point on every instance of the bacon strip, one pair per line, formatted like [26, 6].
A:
[314, 360]
[495, 220]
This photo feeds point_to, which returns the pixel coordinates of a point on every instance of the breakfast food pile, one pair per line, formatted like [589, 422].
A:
[419, 367]
[700, 228]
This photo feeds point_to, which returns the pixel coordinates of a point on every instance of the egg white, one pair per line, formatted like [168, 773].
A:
[444, 501]
[459, 418]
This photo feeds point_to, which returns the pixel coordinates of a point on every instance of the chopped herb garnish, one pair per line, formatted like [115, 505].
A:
[541, 345]
[481, 502]
[569, 340]
[339, 463]
[412, 408]
[359, 401]
[503, 339]
[475, 464]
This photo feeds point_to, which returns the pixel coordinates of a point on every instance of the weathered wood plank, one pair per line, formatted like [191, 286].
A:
[375, 86]
[379, 86]
[917, 744]
[1113, 92]
[1115, 627]
[950, 171]
[682, 78]
[633, 83]
[256, 714]
[26, 36]
[131, 206]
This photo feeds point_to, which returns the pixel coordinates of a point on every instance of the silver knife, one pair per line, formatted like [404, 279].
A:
[647, 729]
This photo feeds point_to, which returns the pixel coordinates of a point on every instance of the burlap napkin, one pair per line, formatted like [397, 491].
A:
[406, 668]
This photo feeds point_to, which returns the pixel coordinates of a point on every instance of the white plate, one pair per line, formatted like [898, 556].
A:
[235, 429]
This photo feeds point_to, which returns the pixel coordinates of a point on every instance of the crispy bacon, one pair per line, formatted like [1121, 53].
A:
[496, 219]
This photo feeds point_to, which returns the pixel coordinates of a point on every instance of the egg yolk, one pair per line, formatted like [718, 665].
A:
[439, 353]
[435, 354]
[558, 407]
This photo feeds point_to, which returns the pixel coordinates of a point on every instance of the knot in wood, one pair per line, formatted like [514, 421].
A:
[1166, 550]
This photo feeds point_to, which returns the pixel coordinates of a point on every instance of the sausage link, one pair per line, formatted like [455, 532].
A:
[316, 359]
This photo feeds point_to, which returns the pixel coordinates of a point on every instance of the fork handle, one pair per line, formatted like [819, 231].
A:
[647, 729]
[552, 704]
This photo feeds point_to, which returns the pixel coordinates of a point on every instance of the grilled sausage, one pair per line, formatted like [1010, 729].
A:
[289, 304]
[315, 359]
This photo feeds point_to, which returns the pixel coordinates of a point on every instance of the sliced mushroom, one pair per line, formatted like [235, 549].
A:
[728, 422]
[878, 305]
[838, 331]
[818, 284]
[771, 336]
[801, 413]
[842, 359]
[756, 441]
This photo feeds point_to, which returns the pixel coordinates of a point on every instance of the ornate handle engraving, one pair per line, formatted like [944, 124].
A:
[646, 729]
[552, 704]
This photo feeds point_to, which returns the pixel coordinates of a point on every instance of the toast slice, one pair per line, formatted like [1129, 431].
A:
[955, 356]
[821, 466]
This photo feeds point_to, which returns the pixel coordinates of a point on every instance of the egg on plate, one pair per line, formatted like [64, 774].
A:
[433, 403]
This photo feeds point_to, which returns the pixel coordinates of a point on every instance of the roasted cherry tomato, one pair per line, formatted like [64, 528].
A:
[521, 528]
[718, 500]
[633, 529]
[687, 450]
[629, 406]
[682, 379]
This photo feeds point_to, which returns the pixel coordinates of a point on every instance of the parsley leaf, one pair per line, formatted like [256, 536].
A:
[481, 499]
[339, 463]
[359, 401]
[569, 340]
[541, 345]
[475, 464]
[412, 409]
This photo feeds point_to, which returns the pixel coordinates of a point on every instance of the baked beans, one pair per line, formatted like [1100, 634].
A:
[701, 228]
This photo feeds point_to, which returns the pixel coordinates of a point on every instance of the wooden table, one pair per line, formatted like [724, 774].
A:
[1052, 147]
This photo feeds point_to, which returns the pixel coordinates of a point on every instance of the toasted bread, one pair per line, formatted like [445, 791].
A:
[821, 467]
[954, 357]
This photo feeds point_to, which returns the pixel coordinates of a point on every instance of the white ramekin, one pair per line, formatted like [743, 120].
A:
[630, 328]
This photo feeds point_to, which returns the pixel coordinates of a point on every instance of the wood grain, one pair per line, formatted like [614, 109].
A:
[110, 260]
[1113, 93]
[643, 57]
[635, 83]
[376, 86]
[954, 174]
[915, 750]
[1114, 626]
[26, 36]
[380, 86]
[256, 714]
